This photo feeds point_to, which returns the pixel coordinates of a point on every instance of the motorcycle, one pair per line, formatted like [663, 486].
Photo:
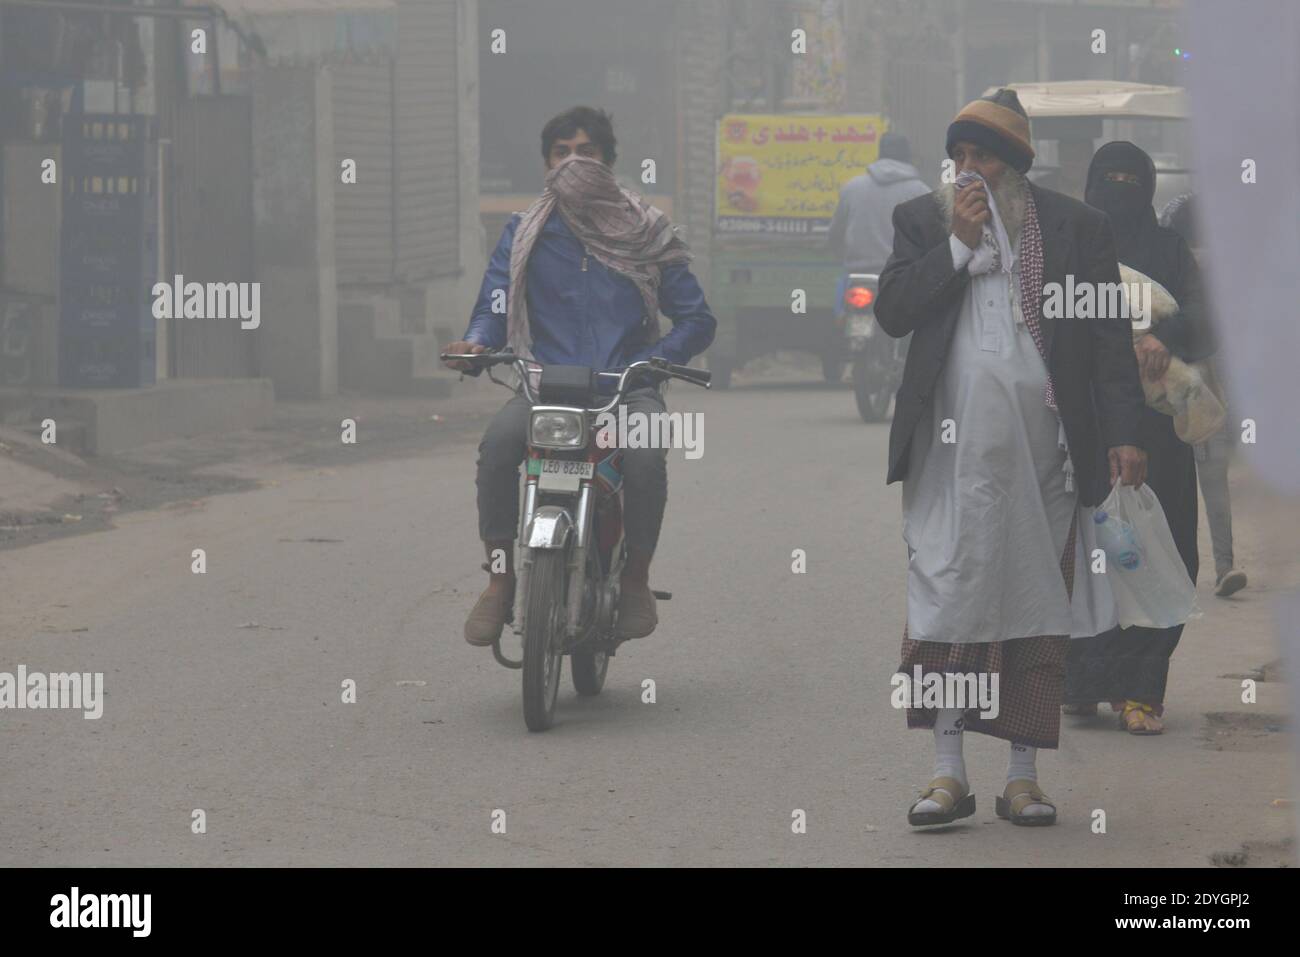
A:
[878, 358]
[571, 547]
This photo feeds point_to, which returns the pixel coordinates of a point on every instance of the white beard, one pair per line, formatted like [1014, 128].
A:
[1011, 196]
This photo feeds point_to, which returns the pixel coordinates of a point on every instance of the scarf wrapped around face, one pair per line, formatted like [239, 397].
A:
[1015, 202]
[616, 226]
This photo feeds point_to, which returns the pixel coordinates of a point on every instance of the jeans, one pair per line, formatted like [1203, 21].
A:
[1212, 470]
[505, 445]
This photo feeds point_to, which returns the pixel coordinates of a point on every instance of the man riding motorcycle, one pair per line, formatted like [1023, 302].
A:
[862, 234]
[862, 230]
[579, 279]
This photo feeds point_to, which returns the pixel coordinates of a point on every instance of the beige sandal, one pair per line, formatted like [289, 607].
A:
[1018, 796]
[951, 795]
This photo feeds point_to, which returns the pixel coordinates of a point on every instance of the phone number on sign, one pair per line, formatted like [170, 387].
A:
[737, 224]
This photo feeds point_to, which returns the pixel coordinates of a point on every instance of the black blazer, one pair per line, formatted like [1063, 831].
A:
[1092, 362]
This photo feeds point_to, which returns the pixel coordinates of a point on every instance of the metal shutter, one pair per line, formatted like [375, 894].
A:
[428, 148]
[363, 131]
[213, 197]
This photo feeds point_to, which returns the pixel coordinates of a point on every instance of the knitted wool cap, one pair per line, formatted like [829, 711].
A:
[999, 124]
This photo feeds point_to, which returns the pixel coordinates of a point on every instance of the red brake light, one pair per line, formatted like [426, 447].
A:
[858, 297]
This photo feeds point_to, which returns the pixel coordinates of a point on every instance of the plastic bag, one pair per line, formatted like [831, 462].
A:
[1143, 568]
[1092, 605]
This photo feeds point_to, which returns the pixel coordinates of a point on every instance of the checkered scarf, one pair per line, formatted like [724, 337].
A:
[617, 227]
[1031, 287]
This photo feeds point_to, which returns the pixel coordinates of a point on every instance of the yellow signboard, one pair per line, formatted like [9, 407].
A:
[782, 173]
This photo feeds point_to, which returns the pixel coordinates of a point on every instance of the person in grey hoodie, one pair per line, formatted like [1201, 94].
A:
[863, 229]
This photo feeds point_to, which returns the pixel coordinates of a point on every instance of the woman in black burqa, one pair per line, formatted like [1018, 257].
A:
[1129, 667]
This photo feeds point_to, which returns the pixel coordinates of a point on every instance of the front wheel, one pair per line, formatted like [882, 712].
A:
[721, 369]
[543, 632]
[587, 669]
[870, 389]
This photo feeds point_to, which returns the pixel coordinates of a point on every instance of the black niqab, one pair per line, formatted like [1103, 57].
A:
[1128, 205]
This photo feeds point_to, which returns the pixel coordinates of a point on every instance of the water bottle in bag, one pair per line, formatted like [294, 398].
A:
[1117, 540]
[1148, 578]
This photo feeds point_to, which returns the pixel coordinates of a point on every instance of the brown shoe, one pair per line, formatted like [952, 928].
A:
[636, 611]
[490, 613]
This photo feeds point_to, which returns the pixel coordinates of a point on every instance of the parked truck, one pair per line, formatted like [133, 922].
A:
[774, 276]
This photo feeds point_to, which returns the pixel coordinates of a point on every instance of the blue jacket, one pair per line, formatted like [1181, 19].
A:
[581, 313]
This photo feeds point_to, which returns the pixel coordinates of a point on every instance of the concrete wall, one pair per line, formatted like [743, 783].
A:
[700, 47]
[32, 216]
[293, 229]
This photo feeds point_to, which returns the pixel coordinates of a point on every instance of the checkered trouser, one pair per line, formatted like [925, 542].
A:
[1031, 675]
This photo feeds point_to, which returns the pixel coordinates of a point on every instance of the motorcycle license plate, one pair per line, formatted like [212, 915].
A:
[860, 326]
[559, 475]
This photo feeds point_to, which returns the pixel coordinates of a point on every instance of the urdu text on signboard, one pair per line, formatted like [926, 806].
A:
[780, 174]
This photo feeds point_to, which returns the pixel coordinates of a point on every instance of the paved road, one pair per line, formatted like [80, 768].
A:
[223, 689]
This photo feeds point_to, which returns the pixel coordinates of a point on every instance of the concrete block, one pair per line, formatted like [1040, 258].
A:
[118, 419]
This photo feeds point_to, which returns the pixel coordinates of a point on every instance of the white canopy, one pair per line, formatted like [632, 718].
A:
[1100, 98]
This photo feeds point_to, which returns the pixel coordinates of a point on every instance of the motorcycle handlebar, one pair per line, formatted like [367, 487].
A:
[654, 367]
[483, 359]
[693, 376]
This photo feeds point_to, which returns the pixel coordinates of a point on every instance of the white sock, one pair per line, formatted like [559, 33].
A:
[1023, 766]
[1023, 763]
[948, 760]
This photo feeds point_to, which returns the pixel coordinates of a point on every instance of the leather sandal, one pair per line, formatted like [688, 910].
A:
[1019, 795]
[953, 798]
[1139, 718]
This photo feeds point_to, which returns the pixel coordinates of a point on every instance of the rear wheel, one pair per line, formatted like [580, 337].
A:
[870, 390]
[543, 633]
[832, 368]
[587, 668]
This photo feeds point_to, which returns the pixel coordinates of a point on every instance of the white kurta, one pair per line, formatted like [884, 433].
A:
[986, 514]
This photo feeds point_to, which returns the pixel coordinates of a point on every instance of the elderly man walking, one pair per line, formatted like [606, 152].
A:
[1007, 422]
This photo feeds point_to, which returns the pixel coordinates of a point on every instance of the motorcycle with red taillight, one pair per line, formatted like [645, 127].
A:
[877, 357]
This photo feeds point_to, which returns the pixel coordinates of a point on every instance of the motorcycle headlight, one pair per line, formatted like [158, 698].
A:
[559, 429]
